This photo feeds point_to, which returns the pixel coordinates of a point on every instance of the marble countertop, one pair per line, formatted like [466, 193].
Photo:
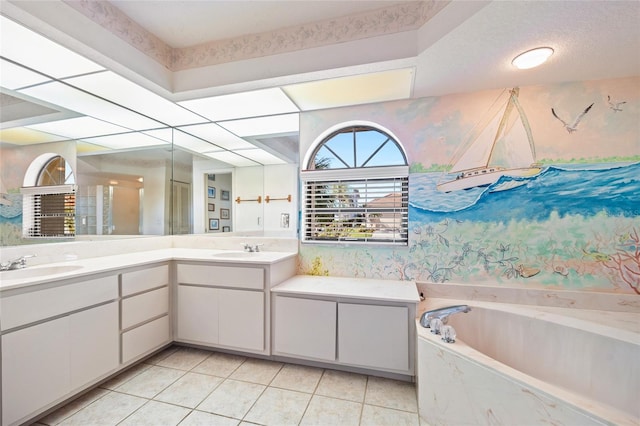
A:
[40, 274]
[357, 288]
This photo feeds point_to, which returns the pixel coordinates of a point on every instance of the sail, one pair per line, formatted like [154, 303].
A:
[477, 155]
[513, 148]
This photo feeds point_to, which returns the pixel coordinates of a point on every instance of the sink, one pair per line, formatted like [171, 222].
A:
[35, 271]
[236, 254]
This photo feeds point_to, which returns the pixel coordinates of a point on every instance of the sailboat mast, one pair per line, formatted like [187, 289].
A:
[525, 124]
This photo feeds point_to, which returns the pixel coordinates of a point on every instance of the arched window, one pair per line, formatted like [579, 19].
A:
[355, 188]
[49, 207]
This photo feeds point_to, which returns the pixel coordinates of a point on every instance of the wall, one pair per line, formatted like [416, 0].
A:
[574, 225]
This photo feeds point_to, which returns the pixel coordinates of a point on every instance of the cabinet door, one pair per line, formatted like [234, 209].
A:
[35, 368]
[305, 327]
[94, 343]
[198, 314]
[374, 336]
[241, 317]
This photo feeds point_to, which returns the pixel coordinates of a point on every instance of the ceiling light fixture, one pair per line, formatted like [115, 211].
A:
[532, 58]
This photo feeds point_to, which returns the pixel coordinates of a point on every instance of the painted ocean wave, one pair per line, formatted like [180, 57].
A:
[585, 189]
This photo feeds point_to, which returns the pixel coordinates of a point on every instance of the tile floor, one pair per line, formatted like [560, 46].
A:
[190, 386]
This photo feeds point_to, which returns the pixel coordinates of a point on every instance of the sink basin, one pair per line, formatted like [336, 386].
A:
[236, 255]
[35, 271]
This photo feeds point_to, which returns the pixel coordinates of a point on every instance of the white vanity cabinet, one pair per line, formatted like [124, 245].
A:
[227, 304]
[357, 323]
[144, 311]
[57, 338]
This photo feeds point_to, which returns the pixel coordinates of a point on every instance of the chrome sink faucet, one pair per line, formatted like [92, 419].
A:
[19, 263]
[442, 314]
[252, 248]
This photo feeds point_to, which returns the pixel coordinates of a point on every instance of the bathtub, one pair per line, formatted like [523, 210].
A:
[524, 365]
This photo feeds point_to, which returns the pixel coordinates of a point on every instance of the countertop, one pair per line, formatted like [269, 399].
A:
[344, 287]
[32, 275]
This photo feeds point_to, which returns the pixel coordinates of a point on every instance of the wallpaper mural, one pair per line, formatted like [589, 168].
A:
[531, 186]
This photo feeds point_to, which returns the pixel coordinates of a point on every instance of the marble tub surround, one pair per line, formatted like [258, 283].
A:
[185, 386]
[516, 364]
[529, 296]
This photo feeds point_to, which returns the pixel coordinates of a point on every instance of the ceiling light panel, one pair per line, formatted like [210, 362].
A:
[32, 50]
[239, 105]
[216, 135]
[287, 123]
[261, 156]
[24, 136]
[126, 141]
[165, 134]
[231, 158]
[14, 76]
[79, 127]
[192, 143]
[115, 88]
[76, 100]
[354, 90]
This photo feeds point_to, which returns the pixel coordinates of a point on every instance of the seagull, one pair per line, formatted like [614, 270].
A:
[573, 127]
[615, 106]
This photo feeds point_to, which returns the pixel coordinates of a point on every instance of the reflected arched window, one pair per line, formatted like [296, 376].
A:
[356, 188]
[49, 207]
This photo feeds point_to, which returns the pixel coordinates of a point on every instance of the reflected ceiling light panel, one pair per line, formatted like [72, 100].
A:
[79, 127]
[85, 148]
[353, 90]
[25, 136]
[165, 134]
[231, 158]
[261, 156]
[126, 141]
[76, 100]
[192, 143]
[532, 58]
[288, 123]
[238, 105]
[32, 50]
[14, 76]
[215, 134]
[115, 88]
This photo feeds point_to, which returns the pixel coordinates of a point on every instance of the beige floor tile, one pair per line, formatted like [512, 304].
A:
[342, 385]
[184, 358]
[394, 394]
[109, 410]
[278, 407]
[298, 377]
[73, 406]
[155, 413]
[125, 376]
[189, 390]
[161, 355]
[219, 364]
[200, 418]
[324, 411]
[379, 416]
[151, 381]
[257, 371]
[232, 398]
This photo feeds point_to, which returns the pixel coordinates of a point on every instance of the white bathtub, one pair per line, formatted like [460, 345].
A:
[522, 365]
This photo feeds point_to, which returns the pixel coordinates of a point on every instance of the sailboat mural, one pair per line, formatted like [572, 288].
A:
[501, 145]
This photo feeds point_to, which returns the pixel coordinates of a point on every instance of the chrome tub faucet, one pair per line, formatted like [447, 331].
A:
[442, 314]
[19, 263]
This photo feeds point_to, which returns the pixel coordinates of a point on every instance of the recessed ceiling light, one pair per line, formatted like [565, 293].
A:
[532, 58]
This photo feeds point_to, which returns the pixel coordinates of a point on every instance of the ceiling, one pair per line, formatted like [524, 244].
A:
[313, 54]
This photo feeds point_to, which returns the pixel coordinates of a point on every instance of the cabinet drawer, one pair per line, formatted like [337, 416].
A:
[144, 279]
[38, 305]
[144, 306]
[221, 276]
[144, 339]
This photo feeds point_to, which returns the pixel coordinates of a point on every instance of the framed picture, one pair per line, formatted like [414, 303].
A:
[224, 213]
[211, 176]
[225, 195]
[211, 207]
[226, 229]
[211, 192]
[214, 224]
